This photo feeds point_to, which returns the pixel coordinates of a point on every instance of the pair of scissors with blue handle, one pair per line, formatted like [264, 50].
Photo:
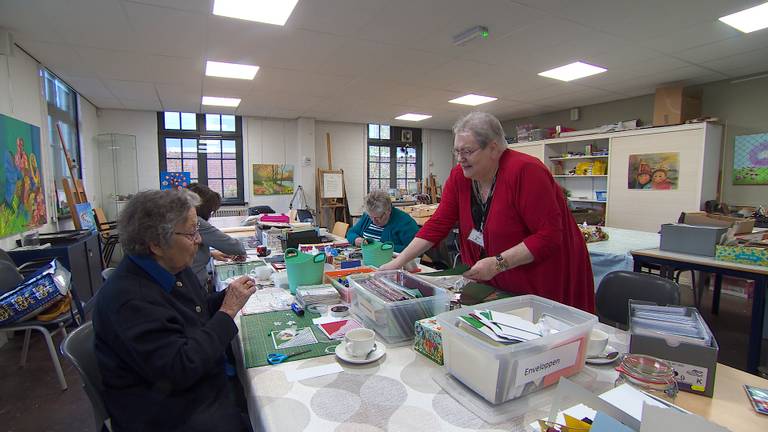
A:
[277, 358]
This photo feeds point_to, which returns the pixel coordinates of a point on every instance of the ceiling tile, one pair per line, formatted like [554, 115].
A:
[92, 88]
[200, 6]
[141, 104]
[131, 89]
[164, 31]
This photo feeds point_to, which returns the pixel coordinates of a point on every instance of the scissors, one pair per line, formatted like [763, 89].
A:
[277, 358]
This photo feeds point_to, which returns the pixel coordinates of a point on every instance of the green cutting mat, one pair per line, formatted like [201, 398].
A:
[257, 331]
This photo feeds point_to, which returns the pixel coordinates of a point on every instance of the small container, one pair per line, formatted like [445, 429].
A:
[588, 150]
[649, 374]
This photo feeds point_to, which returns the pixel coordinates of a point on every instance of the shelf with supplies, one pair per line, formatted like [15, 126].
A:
[608, 164]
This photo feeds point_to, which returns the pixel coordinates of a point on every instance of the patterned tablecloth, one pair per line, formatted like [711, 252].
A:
[395, 393]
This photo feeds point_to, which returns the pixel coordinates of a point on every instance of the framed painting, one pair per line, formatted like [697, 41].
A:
[272, 179]
[653, 171]
[750, 159]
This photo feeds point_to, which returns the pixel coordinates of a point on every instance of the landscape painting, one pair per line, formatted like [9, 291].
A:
[272, 179]
[22, 204]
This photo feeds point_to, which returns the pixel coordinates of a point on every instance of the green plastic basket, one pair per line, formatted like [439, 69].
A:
[303, 269]
[377, 253]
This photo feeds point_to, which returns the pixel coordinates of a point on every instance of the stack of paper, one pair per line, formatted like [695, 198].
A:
[501, 327]
[317, 294]
[670, 322]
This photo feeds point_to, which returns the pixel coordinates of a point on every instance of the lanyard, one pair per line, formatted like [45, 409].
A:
[484, 206]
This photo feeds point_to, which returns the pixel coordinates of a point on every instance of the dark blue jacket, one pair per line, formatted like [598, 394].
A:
[160, 349]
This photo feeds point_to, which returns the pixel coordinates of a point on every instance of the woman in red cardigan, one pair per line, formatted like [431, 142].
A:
[515, 228]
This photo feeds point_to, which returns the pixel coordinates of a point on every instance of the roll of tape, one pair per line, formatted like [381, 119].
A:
[339, 311]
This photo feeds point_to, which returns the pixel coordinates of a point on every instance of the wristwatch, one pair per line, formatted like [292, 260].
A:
[501, 264]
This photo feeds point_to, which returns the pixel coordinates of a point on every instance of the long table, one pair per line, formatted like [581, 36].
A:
[398, 393]
[670, 261]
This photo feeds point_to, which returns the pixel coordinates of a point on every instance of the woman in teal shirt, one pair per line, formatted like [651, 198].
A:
[383, 222]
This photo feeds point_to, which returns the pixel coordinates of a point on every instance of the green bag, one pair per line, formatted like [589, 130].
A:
[303, 269]
[377, 253]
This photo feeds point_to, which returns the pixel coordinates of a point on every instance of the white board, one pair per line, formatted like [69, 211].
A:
[333, 185]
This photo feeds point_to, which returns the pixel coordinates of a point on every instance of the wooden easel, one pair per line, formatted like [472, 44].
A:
[75, 193]
[329, 198]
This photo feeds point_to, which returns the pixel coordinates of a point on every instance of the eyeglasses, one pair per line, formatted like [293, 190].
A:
[191, 236]
[465, 153]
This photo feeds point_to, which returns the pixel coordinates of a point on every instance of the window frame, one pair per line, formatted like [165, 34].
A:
[54, 115]
[393, 144]
[201, 134]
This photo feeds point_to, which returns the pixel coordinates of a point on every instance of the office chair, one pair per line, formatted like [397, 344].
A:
[618, 287]
[78, 348]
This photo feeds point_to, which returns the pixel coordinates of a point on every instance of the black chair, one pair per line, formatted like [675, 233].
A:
[78, 348]
[257, 210]
[618, 287]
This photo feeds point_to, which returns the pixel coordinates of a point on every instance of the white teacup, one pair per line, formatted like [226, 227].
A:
[359, 342]
[598, 340]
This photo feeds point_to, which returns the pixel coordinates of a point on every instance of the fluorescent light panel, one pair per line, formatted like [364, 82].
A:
[573, 71]
[473, 100]
[221, 101]
[413, 117]
[748, 20]
[230, 70]
[274, 12]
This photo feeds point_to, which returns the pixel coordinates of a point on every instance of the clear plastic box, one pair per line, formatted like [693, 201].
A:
[394, 321]
[499, 372]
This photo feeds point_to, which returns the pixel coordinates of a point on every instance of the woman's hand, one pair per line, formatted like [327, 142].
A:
[237, 294]
[220, 256]
[483, 270]
[360, 241]
[392, 265]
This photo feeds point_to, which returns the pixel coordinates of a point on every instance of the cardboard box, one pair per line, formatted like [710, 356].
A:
[429, 339]
[742, 254]
[690, 239]
[675, 105]
[695, 365]
[743, 226]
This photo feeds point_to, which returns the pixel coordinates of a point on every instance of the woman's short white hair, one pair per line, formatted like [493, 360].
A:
[377, 202]
[485, 128]
[150, 217]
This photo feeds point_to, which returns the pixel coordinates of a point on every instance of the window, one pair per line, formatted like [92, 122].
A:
[207, 146]
[393, 164]
[61, 101]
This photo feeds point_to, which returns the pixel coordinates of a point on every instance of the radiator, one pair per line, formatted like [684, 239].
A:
[231, 211]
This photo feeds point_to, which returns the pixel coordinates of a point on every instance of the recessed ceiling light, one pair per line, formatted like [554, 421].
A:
[413, 117]
[221, 101]
[267, 11]
[573, 71]
[748, 20]
[472, 99]
[230, 70]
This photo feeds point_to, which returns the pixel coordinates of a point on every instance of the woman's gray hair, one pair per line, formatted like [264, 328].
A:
[150, 217]
[485, 128]
[377, 202]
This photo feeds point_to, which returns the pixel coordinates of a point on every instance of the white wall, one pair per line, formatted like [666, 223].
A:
[348, 148]
[437, 154]
[21, 98]
[89, 158]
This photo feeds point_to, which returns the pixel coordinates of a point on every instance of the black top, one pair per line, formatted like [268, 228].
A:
[160, 348]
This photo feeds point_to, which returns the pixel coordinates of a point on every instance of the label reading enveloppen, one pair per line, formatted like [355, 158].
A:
[538, 366]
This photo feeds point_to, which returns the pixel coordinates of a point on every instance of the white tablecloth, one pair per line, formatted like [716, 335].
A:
[614, 253]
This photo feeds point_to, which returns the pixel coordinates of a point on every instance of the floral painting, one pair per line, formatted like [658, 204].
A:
[22, 205]
[653, 171]
[750, 160]
[272, 179]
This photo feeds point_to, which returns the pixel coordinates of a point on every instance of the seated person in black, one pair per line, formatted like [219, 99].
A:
[159, 341]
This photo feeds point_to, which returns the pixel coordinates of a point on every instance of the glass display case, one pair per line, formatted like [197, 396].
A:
[119, 171]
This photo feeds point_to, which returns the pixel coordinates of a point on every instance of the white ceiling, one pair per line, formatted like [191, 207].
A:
[371, 60]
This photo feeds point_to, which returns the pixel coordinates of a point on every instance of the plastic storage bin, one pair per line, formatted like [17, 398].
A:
[501, 372]
[332, 277]
[395, 321]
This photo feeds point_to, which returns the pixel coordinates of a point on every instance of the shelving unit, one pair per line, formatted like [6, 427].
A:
[698, 146]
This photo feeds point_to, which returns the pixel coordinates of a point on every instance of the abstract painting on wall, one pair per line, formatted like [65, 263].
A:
[22, 204]
[750, 159]
[657, 171]
[174, 180]
[272, 179]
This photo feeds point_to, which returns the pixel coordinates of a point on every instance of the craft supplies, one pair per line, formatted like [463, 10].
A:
[428, 339]
[298, 310]
[339, 311]
[277, 358]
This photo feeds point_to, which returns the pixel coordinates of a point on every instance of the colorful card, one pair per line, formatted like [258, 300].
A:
[174, 180]
[290, 338]
[337, 329]
[758, 397]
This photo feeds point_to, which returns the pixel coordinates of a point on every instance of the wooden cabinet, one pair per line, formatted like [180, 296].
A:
[82, 257]
[697, 148]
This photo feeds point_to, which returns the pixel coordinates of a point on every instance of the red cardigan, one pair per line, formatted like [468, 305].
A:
[528, 206]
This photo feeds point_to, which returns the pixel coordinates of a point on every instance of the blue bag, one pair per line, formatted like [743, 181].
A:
[46, 286]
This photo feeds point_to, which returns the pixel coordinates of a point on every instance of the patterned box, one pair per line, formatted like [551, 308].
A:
[742, 254]
[429, 340]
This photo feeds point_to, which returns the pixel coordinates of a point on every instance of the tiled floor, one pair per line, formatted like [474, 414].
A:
[31, 400]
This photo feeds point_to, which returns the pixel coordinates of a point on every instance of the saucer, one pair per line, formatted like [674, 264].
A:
[602, 360]
[341, 352]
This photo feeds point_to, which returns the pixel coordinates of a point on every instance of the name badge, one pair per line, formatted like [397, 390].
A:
[476, 237]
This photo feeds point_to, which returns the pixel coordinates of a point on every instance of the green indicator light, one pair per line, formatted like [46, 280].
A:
[485, 34]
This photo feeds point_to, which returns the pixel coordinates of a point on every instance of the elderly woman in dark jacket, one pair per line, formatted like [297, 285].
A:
[159, 341]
